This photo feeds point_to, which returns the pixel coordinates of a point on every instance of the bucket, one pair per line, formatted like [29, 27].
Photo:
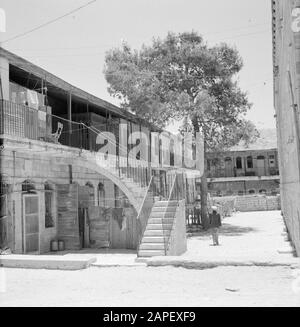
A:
[61, 245]
[54, 246]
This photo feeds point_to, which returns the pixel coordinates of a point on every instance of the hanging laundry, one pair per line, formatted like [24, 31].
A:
[32, 99]
[118, 216]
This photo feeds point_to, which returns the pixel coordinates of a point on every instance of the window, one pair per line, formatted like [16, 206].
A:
[208, 164]
[3, 199]
[239, 163]
[49, 206]
[251, 191]
[249, 162]
[272, 161]
[101, 195]
[263, 191]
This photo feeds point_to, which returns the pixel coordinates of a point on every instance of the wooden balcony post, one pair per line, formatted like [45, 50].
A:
[69, 117]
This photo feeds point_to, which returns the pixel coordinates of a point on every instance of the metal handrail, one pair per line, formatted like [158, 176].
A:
[178, 197]
[143, 214]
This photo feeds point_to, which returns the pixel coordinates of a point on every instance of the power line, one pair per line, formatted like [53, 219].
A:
[103, 45]
[48, 23]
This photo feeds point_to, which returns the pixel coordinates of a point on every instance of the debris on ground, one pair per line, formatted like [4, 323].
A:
[5, 251]
[232, 289]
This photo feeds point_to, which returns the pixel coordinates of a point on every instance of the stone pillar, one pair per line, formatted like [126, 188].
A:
[4, 78]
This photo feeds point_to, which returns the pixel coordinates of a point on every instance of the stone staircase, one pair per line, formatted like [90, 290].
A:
[130, 186]
[158, 230]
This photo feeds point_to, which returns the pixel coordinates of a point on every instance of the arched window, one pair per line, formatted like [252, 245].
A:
[91, 192]
[249, 162]
[101, 195]
[251, 191]
[239, 164]
[28, 186]
[263, 191]
[49, 206]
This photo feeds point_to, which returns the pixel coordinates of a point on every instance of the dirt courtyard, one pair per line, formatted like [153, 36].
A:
[148, 286]
[244, 237]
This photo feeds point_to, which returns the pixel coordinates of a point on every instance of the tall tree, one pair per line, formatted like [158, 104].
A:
[179, 77]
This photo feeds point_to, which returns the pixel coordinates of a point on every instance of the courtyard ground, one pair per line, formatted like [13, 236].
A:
[249, 271]
[246, 238]
[150, 286]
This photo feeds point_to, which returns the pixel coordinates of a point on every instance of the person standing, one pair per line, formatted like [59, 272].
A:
[214, 225]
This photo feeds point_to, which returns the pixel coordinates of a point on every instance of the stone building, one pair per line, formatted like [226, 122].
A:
[245, 170]
[55, 185]
[286, 61]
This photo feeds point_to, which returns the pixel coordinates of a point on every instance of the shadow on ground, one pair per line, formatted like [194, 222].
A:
[227, 230]
[93, 251]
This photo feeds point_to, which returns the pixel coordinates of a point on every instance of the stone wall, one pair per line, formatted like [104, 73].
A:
[249, 202]
[55, 166]
[286, 57]
[243, 187]
[257, 203]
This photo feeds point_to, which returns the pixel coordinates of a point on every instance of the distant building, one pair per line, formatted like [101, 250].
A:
[286, 61]
[245, 170]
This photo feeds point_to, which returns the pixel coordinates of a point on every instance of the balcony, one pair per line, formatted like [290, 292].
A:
[25, 122]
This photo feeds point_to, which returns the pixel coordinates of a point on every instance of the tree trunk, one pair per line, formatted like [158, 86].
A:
[204, 188]
[204, 192]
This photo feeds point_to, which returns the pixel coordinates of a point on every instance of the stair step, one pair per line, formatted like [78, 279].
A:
[160, 220]
[166, 203]
[151, 253]
[164, 209]
[154, 239]
[152, 246]
[157, 214]
[161, 227]
[157, 232]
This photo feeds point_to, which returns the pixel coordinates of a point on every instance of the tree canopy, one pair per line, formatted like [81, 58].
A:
[179, 77]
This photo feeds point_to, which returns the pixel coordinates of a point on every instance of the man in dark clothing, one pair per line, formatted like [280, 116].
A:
[214, 224]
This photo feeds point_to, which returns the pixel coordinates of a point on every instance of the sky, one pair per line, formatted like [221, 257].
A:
[74, 47]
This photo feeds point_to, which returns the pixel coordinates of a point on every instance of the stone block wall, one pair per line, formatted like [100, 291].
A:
[43, 165]
[248, 203]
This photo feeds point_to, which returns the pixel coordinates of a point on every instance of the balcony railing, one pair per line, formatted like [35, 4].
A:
[25, 122]
[20, 120]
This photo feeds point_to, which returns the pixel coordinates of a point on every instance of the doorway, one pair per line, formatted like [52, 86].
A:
[31, 223]
[260, 165]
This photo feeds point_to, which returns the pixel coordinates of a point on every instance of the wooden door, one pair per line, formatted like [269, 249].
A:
[31, 223]
[67, 215]
[123, 232]
[261, 166]
[99, 222]
[228, 167]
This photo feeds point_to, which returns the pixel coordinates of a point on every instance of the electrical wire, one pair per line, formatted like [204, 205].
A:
[47, 23]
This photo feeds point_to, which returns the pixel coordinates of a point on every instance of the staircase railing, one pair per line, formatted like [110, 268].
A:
[177, 193]
[145, 210]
